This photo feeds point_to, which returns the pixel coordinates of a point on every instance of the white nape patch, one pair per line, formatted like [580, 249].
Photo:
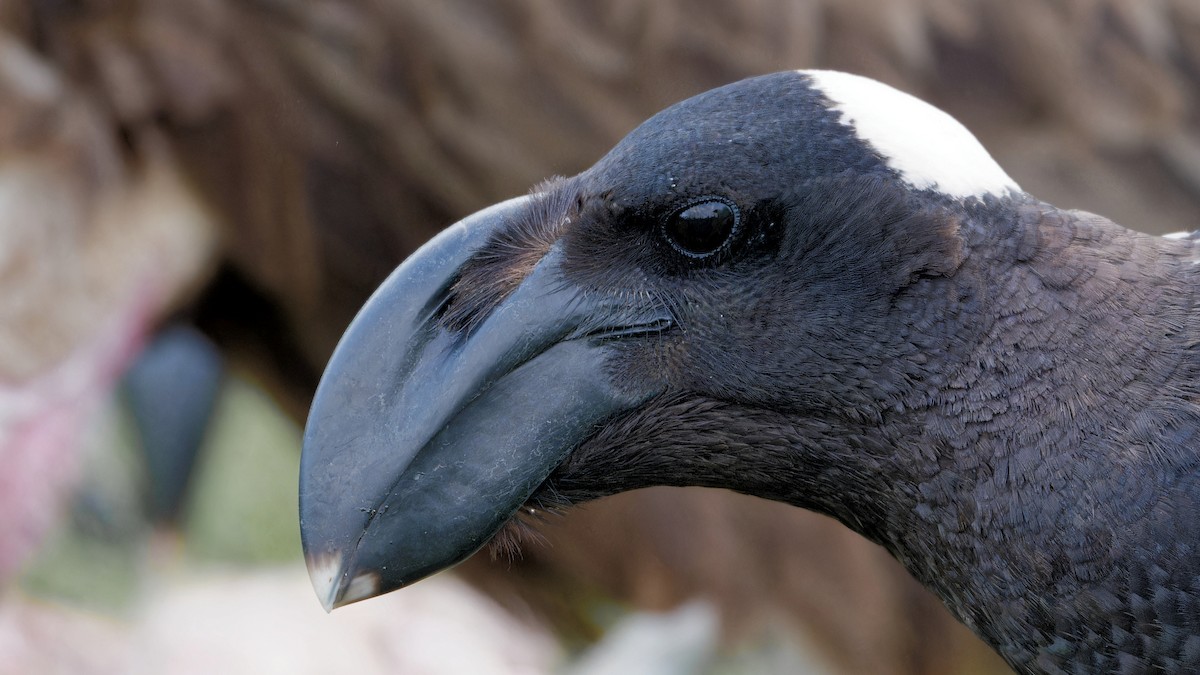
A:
[325, 572]
[927, 147]
[1178, 235]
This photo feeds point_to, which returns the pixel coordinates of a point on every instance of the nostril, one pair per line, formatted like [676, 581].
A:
[440, 304]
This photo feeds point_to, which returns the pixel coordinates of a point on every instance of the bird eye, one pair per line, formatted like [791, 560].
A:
[701, 229]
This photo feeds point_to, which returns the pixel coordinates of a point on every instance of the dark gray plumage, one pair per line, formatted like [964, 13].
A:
[767, 288]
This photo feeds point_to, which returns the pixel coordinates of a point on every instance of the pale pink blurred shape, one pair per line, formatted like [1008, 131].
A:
[267, 622]
[96, 243]
[43, 638]
[83, 279]
[40, 425]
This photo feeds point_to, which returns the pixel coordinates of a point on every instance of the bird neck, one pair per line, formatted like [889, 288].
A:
[1072, 339]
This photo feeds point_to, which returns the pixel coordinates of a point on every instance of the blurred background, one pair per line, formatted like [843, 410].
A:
[197, 195]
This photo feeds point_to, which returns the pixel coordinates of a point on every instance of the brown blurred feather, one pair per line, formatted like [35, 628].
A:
[333, 137]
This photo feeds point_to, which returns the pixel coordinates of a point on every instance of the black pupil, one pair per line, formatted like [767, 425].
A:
[702, 228]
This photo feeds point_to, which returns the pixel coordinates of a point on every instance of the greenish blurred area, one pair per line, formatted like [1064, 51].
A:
[240, 510]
